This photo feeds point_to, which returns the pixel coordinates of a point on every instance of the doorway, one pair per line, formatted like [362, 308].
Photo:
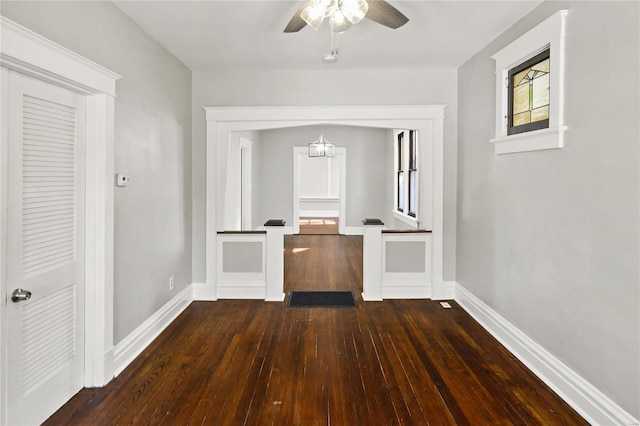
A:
[319, 189]
[45, 246]
[319, 197]
[24, 50]
[221, 122]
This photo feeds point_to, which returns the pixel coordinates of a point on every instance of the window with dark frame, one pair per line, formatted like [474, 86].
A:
[406, 180]
[400, 173]
[413, 173]
[528, 101]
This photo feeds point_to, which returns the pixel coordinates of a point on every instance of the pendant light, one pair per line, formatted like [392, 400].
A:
[322, 147]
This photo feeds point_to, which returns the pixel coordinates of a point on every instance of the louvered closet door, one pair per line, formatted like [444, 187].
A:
[45, 247]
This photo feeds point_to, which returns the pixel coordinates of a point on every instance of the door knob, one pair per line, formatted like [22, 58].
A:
[19, 295]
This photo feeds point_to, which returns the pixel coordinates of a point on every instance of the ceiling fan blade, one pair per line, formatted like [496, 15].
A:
[383, 13]
[297, 23]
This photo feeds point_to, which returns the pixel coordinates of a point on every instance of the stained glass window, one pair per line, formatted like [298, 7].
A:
[529, 95]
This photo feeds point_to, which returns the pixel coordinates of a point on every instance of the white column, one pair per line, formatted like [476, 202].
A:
[275, 261]
[372, 260]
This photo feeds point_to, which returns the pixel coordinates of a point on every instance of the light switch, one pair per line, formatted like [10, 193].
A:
[122, 179]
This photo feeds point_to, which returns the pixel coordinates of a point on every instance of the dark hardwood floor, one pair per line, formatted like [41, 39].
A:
[395, 362]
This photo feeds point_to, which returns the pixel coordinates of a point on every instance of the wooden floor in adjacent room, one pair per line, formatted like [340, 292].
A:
[234, 362]
[319, 225]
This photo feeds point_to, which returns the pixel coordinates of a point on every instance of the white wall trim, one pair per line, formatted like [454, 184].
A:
[140, 338]
[241, 290]
[353, 230]
[585, 398]
[409, 220]
[319, 199]
[409, 290]
[449, 290]
[29, 53]
[200, 293]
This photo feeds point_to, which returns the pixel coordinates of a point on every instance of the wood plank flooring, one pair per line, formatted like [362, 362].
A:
[395, 362]
[319, 225]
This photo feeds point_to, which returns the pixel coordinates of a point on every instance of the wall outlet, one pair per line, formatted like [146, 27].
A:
[172, 282]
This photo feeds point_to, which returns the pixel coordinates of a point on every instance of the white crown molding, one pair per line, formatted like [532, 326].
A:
[28, 52]
[585, 398]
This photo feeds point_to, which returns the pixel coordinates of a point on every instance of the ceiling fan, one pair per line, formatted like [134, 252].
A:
[343, 13]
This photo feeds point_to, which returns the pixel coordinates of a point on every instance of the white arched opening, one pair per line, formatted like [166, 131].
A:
[223, 121]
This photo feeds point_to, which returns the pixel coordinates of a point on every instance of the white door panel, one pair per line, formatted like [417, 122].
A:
[45, 227]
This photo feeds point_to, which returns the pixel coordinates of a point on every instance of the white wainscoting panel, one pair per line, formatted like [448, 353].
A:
[236, 284]
[407, 282]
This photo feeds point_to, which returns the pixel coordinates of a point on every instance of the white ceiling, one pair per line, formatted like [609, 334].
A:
[239, 34]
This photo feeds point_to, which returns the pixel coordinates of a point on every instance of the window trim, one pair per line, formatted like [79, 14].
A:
[412, 170]
[402, 138]
[399, 156]
[549, 34]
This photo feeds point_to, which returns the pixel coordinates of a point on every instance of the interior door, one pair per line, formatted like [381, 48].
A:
[45, 250]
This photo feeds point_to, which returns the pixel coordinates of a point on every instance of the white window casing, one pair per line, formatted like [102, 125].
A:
[548, 34]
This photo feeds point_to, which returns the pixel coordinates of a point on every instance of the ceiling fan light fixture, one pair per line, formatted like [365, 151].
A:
[314, 14]
[330, 58]
[339, 23]
[330, 7]
[354, 10]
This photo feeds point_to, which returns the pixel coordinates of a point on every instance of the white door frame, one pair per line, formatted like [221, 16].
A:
[31, 54]
[245, 183]
[427, 119]
[341, 153]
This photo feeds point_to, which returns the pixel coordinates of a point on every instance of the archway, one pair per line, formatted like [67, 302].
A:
[222, 121]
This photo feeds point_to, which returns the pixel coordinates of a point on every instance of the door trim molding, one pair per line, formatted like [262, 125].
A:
[29, 53]
[340, 152]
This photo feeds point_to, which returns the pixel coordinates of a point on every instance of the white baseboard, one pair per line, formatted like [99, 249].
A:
[449, 290]
[202, 294]
[406, 291]
[353, 230]
[585, 398]
[109, 368]
[241, 292]
[280, 298]
[132, 345]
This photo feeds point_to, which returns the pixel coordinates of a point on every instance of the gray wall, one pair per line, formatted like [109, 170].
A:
[327, 87]
[549, 239]
[365, 162]
[152, 144]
